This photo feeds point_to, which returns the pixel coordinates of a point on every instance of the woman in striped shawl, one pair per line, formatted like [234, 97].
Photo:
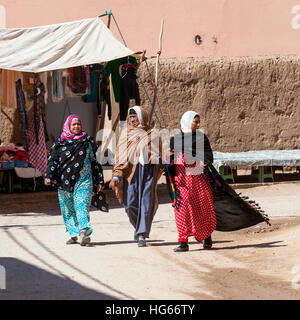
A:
[137, 171]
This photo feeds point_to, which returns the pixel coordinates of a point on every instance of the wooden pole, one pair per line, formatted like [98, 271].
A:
[156, 70]
[159, 51]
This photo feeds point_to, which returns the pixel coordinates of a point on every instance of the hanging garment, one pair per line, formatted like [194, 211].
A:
[9, 89]
[78, 79]
[44, 79]
[129, 89]
[93, 88]
[37, 151]
[39, 110]
[113, 68]
[22, 113]
[57, 86]
[104, 94]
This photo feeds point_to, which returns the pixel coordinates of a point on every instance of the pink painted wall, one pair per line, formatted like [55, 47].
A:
[227, 27]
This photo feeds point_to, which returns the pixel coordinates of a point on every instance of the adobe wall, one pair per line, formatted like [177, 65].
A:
[245, 103]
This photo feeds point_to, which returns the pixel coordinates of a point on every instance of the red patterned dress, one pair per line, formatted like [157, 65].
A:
[194, 209]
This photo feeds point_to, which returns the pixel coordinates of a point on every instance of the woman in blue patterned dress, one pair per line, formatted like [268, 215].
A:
[73, 168]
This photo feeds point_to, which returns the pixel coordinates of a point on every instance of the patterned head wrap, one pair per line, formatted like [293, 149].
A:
[67, 134]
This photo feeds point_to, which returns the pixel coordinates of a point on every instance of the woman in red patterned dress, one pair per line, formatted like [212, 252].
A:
[194, 208]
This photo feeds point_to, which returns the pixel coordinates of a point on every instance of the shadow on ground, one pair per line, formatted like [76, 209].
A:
[22, 281]
[46, 202]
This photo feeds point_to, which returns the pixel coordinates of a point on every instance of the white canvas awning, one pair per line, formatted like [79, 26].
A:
[59, 46]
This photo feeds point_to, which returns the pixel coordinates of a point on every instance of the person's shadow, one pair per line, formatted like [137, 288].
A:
[160, 243]
[258, 245]
[112, 243]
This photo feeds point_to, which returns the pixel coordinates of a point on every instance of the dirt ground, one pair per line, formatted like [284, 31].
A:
[260, 262]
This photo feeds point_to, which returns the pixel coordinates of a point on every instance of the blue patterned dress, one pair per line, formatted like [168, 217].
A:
[75, 178]
[75, 205]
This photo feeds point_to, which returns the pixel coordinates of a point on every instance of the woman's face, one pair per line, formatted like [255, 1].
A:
[134, 120]
[75, 126]
[195, 124]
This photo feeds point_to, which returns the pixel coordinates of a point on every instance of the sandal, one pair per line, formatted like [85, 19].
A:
[84, 239]
[72, 240]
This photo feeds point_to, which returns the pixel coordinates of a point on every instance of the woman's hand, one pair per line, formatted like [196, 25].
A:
[100, 188]
[202, 164]
[47, 182]
[113, 183]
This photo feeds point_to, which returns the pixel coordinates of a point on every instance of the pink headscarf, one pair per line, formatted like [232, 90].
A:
[67, 134]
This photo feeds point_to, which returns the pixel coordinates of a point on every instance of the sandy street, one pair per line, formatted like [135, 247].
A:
[260, 262]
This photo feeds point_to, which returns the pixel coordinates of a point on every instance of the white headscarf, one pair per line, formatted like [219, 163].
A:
[138, 112]
[187, 120]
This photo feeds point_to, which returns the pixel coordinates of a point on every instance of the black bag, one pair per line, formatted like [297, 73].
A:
[99, 201]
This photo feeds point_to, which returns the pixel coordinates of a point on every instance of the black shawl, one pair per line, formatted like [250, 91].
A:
[66, 160]
[233, 212]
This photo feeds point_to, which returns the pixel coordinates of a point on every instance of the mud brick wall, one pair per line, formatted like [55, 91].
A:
[245, 103]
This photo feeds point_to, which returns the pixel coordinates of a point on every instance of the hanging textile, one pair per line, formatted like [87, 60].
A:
[37, 151]
[78, 79]
[125, 87]
[113, 68]
[104, 94]
[44, 79]
[129, 89]
[99, 89]
[39, 109]
[22, 113]
[93, 87]
[57, 86]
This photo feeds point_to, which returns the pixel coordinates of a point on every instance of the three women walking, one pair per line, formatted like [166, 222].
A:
[73, 168]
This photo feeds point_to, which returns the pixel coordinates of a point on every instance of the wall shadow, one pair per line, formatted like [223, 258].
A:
[27, 282]
[46, 203]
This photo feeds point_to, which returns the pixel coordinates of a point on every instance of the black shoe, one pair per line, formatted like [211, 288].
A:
[207, 243]
[182, 247]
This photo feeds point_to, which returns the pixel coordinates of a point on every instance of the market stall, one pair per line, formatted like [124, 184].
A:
[50, 71]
